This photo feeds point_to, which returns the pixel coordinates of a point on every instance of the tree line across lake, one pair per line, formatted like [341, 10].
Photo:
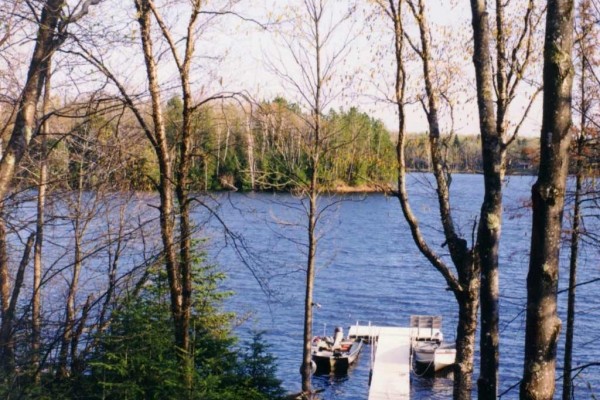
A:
[263, 148]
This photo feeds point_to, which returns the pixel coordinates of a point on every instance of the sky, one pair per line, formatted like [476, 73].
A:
[370, 61]
[238, 55]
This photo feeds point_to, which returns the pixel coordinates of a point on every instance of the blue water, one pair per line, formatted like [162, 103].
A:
[370, 270]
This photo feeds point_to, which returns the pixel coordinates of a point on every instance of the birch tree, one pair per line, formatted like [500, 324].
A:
[54, 20]
[174, 154]
[36, 298]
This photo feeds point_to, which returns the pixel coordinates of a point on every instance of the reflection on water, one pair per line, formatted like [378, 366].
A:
[343, 385]
[351, 385]
[439, 384]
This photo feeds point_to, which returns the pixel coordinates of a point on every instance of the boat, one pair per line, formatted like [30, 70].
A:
[430, 352]
[335, 354]
[434, 356]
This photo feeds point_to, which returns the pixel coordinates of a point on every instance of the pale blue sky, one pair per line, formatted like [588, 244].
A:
[243, 47]
[371, 61]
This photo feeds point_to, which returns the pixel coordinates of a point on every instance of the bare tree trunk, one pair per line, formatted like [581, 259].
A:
[185, 229]
[4, 292]
[466, 289]
[465, 343]
[312, 58]
[36, 299]
[312, 212]
[568, 363]
[24, 123]
[218, 166]
[77, 365]
[581, 138]
[179, 280]
[315, 11]
[69, 322]
[543, 324]
[205, 175]
[9, 303]
[225, 151]
[488, 237]
[184, 268]
[250, 153]
[306, 370]
[166, 174]
[264, 133]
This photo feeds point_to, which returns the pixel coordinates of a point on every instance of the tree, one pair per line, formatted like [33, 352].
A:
[259, 366]
[136, 360]
[36, 298]
[503, 80]
[465, 285]
[52, 32]
[542, 323]
[81, 210]
[174, 154]
[9, 298]
[47, 346]
[483, 256]
[587, 90]
[315, 59]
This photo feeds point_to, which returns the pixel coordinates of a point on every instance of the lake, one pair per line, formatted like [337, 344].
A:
[369, 270]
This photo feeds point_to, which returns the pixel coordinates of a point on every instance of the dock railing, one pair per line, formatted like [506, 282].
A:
[425, 327]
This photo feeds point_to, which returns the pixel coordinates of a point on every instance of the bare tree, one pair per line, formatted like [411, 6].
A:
[52, 31]
[315, 59]
[588, 92]
[36, 299]
[175, 154]
[83, 237]
[82, 212]
[496, 137]
[9, 299]
[465, 284]
[503, 81]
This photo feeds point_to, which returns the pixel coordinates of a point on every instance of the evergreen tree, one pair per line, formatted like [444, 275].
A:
[136, 358]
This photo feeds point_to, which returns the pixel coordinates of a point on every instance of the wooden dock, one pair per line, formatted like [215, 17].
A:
[390, 357]
[390, 368]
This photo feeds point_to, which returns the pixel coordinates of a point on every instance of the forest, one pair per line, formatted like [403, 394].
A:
[123, 123]
[227, 137]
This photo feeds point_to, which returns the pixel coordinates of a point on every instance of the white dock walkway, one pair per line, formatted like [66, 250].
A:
[391, 366]
[390, 363]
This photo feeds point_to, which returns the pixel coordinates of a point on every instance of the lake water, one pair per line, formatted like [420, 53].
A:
[370, 270]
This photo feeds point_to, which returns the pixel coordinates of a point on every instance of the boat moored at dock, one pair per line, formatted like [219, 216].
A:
[430, 352]
[336, 353]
